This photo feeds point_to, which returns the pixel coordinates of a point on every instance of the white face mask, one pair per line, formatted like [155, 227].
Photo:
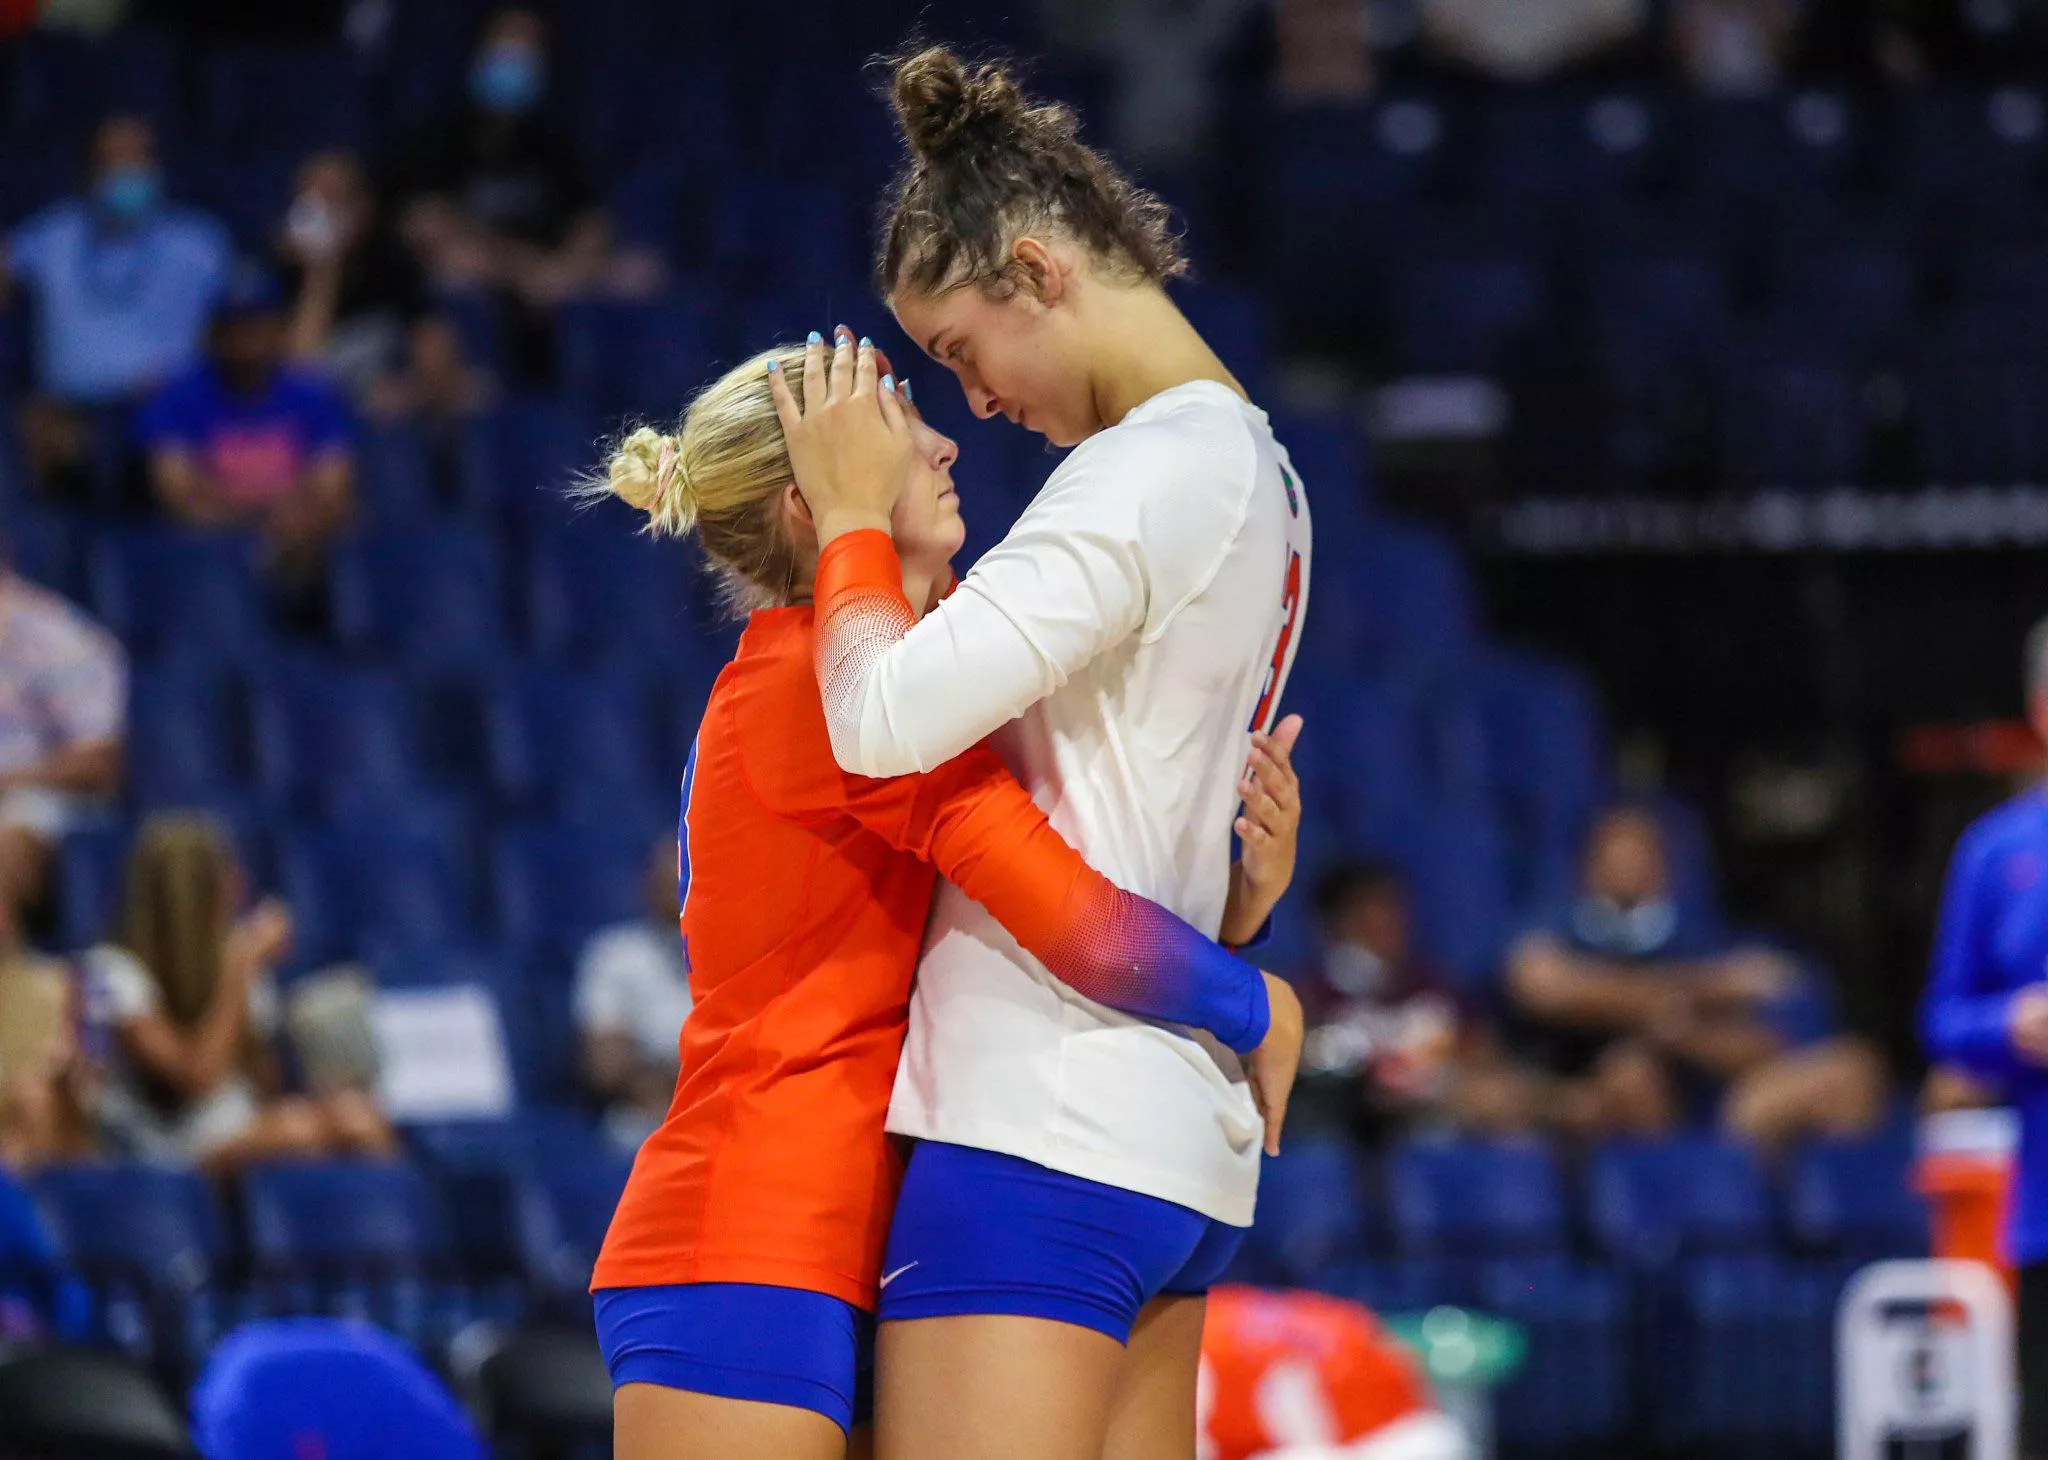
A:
[1354, 969]
[313, 226]
[1626, 932]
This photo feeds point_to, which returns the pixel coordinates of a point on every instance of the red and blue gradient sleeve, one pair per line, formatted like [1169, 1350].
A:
[984, 832]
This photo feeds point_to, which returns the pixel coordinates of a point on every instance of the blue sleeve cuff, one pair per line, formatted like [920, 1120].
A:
[1258, 1018]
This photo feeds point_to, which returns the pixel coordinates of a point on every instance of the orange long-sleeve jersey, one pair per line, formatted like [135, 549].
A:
[805, 900]
[1288, 1369]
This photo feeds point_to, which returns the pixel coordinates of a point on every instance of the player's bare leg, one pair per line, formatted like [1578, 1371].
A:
[650, 1422]
[993, 1387]
[1152, 1414]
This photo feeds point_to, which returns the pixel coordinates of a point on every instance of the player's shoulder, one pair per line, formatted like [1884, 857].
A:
[1191, 437]
[767, 702]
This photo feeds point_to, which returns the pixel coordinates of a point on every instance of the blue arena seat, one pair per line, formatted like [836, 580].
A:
[1546, 755]
[1572, 1394]
[149, 1242]
[574, 741]
[395, 475]
[524, 457]
[1861, 297]
[341, 1390]
[433, 598]
[351, 1238]
[1573, 145]
[358, 891]
[1742, 1358]
[1312, 1208]
[33, 1270]
[1405, 607]
[192, 746]
[565, 1207]
[326, 732]
[1476, 1199]
[1807, 141]
[1854, 1199]
[1973, 146]
[1362, 749]
[167, 592]
[602, 594]
[291, 98]
[2007, 278]
[91, 864]
[45, 545]
[1466, 315]
[1976, 419]
[59, 84]
[1662, 310]
[248, 191]
[1650, 1202]
[1456, 862]
[642, 358]
[1791, 424]
[559, 882]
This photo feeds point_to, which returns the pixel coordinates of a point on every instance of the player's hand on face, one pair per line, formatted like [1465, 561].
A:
[850, 444]
[2029, 1024]
[1271, 1067]
[1269, 822]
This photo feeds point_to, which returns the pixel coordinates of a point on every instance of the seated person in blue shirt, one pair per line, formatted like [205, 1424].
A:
[247, 440]
[1637, 1006]
[120, 282]
[1986, 1015]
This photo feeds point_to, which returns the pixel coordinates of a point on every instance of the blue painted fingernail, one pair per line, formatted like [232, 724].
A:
[865, 342]
[889, 383]
[905, 388]
[773, 366]
[816, 338]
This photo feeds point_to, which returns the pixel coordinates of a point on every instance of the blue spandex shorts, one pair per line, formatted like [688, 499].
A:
[742, 1341]
[979, 1232]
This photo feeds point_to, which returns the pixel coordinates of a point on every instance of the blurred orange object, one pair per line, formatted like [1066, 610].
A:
[1291, 1368]
[1965, 1172]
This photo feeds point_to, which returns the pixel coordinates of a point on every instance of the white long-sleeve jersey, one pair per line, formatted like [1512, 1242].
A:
[1120, 644]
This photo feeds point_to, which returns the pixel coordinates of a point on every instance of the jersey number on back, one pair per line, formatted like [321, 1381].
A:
[1290, 608]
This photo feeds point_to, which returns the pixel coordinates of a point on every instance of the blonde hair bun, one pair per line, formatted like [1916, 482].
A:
[646, 472]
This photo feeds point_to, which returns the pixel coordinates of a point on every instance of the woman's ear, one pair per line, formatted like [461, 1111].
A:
[796, 508]
[1043, 269]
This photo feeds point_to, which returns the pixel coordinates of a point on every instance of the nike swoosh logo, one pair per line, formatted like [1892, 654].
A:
[891, 1277]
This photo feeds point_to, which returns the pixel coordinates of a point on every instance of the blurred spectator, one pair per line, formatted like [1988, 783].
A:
[1324, 52]
[47, 1105]
[1902, 41]
[1379, 1018]
[437, 386]
[63, 720]
[493, 204]
[122, 282]
[1733, 47]
[1646, 1013]
[632, 995]
[187, 992]
[248, 440]
[356, 288]
[1517, 41]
